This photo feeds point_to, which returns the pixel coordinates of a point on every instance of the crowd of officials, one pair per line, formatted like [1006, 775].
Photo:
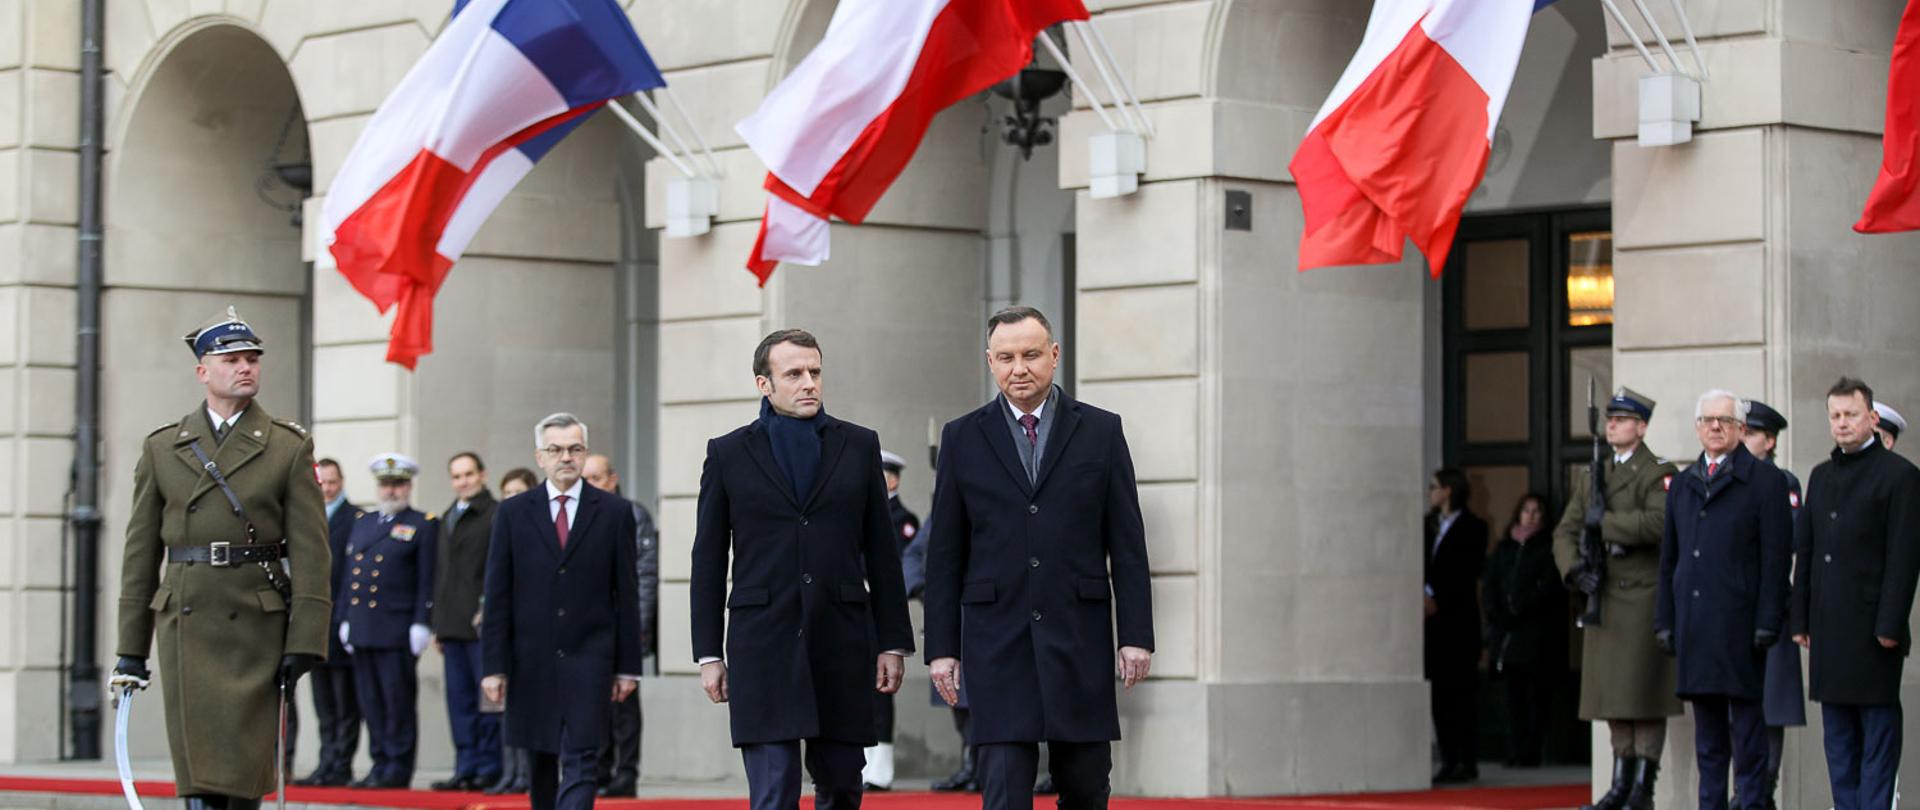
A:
[1704, 583]
[541, 602]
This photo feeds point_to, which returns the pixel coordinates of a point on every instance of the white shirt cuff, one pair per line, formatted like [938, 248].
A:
[703, 661]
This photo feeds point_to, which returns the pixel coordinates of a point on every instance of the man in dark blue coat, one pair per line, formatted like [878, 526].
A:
[1857, 552]
[817, 618]
[560, 622]
[1723, 596]
[1036, 547]
[334, 700]
[388, 591]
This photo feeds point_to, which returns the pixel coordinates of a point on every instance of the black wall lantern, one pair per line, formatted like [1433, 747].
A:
[1026, 128]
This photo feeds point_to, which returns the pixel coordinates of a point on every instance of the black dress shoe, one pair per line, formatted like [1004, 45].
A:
[522, 784]
[456, 782]
[621, 786]
[1449, 774]
[873, 788]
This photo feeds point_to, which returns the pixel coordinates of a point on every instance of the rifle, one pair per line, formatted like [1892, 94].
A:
[1593, 547]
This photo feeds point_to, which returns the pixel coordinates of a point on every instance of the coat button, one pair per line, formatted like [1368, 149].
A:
[563, 569]
[356, 600]
[373, 589]
[562, 611]
[358, 557]
[806, 578]
[1696, 594]
[373, 603]
[1833, 515]
[356, 586]
[376, 572]
[194, 508]
[1033, 562]
[1696, 553]
[356, 570]
[1036, 615]
[1703, 513]
[1826, 557]
[186, 610]
[560, 653]
[803, 521]
[379, 558]
[1033, 509]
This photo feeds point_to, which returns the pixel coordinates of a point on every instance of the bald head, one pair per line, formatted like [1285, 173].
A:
[598, 470]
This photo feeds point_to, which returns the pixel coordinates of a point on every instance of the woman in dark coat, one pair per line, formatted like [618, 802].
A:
[1526, 627]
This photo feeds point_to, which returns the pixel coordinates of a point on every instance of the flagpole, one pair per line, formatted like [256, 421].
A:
[1106, 76]
[1665, 46]
[1632, 35]
[1107, 54]
[673, 132]
[1074, 76]
[674, 102]
[1686, 28]
[651, 139]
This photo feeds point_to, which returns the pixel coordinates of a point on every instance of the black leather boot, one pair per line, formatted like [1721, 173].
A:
[237, 803]
[1624, 769]
[1641, 797]
[962, 779]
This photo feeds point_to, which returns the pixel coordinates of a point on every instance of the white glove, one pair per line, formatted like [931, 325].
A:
[343, 637]
[417, 637]
[121, 680]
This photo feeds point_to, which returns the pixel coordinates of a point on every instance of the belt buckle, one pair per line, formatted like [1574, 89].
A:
[217, 554]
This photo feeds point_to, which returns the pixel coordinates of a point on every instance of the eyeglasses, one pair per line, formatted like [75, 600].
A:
[563, 452]
[1727, 422]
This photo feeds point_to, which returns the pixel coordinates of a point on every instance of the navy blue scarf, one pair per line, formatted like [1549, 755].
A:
[796, 446]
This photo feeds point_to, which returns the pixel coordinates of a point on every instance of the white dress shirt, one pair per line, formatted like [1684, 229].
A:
[553, 501]
[219, 423]
[1036, 411]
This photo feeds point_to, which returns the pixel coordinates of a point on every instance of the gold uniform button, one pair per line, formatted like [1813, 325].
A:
[374, 589]
[356, 570]
[373, 603]
[376, 572]
[356, 600]
[379, 558]
[356, 586]
[358, 557]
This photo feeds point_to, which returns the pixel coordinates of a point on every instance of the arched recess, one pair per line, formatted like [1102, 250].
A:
[187, 235]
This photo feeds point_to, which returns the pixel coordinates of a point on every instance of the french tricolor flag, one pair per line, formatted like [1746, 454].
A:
[503, 83]
[840, 128]
[1403, 141]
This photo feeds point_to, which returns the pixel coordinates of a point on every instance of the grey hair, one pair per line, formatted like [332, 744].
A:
[1739, 405]
[559, 420]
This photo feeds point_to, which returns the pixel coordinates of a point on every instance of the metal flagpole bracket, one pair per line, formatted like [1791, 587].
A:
[1116, 156]
[1669, 97]
[693, 198]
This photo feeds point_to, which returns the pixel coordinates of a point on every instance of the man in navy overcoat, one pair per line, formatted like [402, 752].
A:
[1723, 597]
[1037, 547]
[560, 624]
[817, 619]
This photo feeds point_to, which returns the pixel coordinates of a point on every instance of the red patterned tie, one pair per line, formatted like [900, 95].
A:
[560, 520]
[1032, 424]
[1712, 467]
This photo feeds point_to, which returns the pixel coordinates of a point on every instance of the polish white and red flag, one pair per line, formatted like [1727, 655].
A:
[504, 82]
[1402, 142]
[840, 128]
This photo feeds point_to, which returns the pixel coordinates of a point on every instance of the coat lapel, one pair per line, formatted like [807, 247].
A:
[539, 510]
[833, 440]
[583, 515]
[1001, 440]
[761, 448]
[1064, 421]
[248, 439]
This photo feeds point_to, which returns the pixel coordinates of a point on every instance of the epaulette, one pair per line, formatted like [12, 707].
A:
[292, 425]
[1661, 460]
[357, 514]
[432, 516]
[167, 426]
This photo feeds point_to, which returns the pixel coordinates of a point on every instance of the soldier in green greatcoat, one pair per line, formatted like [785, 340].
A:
[1624, 678]
[233, 622]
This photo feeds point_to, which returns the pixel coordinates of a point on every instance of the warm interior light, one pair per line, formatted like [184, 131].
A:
[1590, 278]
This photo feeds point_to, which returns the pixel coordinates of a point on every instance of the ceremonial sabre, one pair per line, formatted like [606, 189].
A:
[124, 702]
[279, 752]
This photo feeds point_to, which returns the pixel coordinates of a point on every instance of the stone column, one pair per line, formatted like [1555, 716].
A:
[1735, 265]
[1275, 420]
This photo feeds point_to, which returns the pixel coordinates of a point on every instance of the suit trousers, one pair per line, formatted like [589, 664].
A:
[1732, 730]
[1863, 754]
[563, 781]
[476, 736]
[388, 686]
[339, 712]
[1080, 771]
[773, 774]
[1456, 716]
[620, 752]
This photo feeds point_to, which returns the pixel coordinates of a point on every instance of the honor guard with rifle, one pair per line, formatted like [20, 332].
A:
[227, 560]
[1608, 547]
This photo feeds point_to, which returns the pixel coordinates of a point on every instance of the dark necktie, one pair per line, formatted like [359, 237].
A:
[1032, 425]
[560, 520]
[220, 432]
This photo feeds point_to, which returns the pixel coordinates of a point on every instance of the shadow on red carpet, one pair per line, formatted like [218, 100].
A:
[1493, 798]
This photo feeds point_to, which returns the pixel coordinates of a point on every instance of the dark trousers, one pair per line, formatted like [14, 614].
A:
[883, 717]
[1730, 731]
[773, 774]
[563, 781]
[1863, 754]
[1456, 718]
[1529, 705]
[1080, 771]
[476, 736]
[339, 711]
[387, 687]
[620, 752]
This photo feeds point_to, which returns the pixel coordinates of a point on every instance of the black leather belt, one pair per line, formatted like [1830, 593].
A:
[221, 555]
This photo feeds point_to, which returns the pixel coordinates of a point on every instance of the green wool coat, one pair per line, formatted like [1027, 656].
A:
[222, 631]
[1623, 674]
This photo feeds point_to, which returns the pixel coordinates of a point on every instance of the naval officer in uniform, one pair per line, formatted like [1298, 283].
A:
[388, 591]
[207, 573]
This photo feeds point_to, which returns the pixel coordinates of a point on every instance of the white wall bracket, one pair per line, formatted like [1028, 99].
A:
[1669, 96]
[692, 203]
[1116, 156]
[693, 198]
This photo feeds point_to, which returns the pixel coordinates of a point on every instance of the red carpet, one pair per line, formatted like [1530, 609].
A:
[1506, 798]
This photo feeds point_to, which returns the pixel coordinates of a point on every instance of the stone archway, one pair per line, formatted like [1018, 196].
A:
[187, 235]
